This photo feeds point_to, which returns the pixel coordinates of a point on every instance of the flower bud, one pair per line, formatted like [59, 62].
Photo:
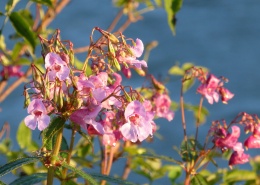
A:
[157, 85]
[108, 35]
[26, 98]
[141, 72]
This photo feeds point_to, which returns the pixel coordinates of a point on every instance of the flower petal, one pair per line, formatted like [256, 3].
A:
[30, 121]
[43, 122]
[129, 132]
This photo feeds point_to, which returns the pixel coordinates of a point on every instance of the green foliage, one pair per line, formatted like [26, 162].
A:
[171, 8]
[237, 175]
[195, 109]
[23, 28]
[111, 179]
[198, 179]
[30, 179]
[81, 173]
[16, 164]
[10, 5]
[47, 135]
[1, 183]
[43, 2]
[24, 138]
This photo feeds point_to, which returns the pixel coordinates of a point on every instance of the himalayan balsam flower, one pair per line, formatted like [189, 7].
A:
[226, 95]
[228, 140]
[238, 156]
[57, 67]
[162, 107]
[137, 51]
[253, 141]
[86, 117]
[209, 88]
[38, 115]
[11, 71]
[138, 125]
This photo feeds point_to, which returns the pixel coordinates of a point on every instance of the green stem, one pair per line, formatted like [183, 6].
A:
[183, 117]
[64, 171]
[54, 156]
[198, 119]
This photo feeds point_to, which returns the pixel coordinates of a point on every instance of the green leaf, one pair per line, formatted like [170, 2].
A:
[16, 164]
[158, 3]
[23, 136]
[195, 108]
[16, 50]
[188, 150]
[23, 61]
[53, 128]
[10, 5]
[188, 84]
[176, 70]
[162, 157]
[198, 180]
[236, 175]
[111, 179]
[1, 183]
[23, 28]
[174, 173]
[2, 42]
[30, 179]
[171, 8]
[43, 2]
[81, 173]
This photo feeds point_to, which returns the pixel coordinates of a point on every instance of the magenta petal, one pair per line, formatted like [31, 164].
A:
[63, 73]
[51, 59]
[36, 105]
[43, 122]
[139, 63]
[99, 94]
[129, 132]
[135, 107]
[78, 115]
[144, 130]
[30, 121]
[98, 127]
[139, 48]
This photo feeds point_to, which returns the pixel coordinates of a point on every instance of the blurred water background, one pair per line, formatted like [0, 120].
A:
[222, 35]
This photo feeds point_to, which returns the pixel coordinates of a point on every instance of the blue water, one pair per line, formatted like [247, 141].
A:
[219, 34]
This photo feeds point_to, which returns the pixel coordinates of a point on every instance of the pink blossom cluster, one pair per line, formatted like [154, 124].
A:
[98, 102]
[11, 71]
[212, 87]
[226, 140]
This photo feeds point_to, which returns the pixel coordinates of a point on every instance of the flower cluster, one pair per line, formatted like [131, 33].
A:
[212, 87]
[225, 140]
[95, 100]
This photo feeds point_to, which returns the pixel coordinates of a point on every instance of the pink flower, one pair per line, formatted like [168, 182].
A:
[137, 51]
[56, 66]
[162, 107]
[226, 95]
[86, 116]
[11, 71]
[209, 88]
[238, 156]
[227, 140]
[100, 80]
[252, 142]
[38, 115]
[138, 125]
